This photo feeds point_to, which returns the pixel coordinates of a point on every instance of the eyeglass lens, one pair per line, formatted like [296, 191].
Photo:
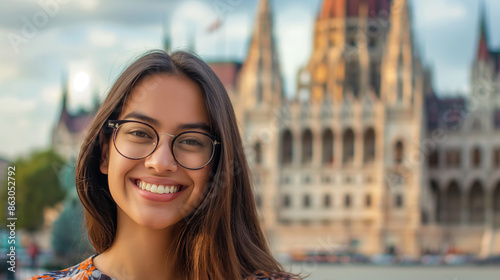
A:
[190, 149]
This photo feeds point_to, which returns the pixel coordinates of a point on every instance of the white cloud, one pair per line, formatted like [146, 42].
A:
[437, 12]
[9, 73]
[51, 95]
[27, 135]
[14, 105]
[102, 38]
[89, 5]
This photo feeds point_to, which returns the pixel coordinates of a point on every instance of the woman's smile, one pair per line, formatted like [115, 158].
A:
[159, 190]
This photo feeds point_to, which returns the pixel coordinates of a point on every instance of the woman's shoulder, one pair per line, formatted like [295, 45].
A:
[83, 271]
[262, 275]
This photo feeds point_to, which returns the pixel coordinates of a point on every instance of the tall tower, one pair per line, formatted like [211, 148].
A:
[402, 96]
[260, 79]
[347, 155]
[258, 100]
[68, 133]
[348, 46]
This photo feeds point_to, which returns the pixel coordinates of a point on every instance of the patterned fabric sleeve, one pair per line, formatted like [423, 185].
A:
[82, 271]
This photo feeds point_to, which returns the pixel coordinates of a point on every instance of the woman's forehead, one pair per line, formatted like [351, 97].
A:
[168, 99]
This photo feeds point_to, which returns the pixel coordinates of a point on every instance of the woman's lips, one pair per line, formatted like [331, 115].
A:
[171, 190]
[158, 188]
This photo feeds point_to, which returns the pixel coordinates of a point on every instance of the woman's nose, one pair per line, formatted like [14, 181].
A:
[162, 159]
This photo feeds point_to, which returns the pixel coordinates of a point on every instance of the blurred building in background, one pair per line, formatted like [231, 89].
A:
[365, 157]
[329, 165]
[71, 127]
[461, 201]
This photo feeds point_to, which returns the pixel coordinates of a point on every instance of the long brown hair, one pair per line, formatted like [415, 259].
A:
[222, 237]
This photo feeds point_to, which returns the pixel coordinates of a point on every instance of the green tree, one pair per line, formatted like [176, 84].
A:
[37, 187]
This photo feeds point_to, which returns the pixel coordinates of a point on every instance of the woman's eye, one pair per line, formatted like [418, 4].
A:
[141, 134]
[191, 142]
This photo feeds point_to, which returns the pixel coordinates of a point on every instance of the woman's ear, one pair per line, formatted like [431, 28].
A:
[104, 144]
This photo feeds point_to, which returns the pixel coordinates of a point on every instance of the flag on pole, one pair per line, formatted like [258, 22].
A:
[214, 25]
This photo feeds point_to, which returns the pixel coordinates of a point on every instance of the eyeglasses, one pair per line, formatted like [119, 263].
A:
[136, 140]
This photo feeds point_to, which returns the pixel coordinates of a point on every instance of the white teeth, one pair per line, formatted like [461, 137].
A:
[159, 189]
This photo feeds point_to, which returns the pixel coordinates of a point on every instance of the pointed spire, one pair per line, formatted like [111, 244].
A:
[352, 8]
[65, 87]
[261, 77]
[326, 9]
[332, 9]
[482, 50]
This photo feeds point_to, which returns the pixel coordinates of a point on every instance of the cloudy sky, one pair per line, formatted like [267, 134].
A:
[93, 40]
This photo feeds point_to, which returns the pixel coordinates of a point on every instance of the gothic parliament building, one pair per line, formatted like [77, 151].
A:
[365, 156]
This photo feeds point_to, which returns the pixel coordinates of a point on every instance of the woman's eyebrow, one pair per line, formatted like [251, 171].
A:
[142, 117]
[198, 125]
[155, 122]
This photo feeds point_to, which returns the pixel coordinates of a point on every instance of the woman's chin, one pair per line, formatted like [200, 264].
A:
[155, 224]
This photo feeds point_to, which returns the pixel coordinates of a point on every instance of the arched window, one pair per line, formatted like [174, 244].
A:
[398, 201]
[287, 201]
[453, 158]
[257, 148]
[369, 146]
[375, 72]
[286, 147]
[476, 203]
[307, 201]
[327, 151]
[398, 152]
[352, 70]
[400, 85]
[452, 204]
[348, 146]
[327, 201]
[496, 158]
[307, 146]
[368, 200]
[476, 157]
[347, 201]
[433, 159]
[436, 200]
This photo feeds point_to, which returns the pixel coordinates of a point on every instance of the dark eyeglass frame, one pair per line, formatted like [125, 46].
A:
[115, 125]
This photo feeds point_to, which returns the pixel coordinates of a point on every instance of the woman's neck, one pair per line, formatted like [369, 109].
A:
[138, 252]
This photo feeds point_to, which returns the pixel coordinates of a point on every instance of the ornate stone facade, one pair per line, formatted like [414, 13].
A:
[348, 162]
[70, 129]
[461, 199]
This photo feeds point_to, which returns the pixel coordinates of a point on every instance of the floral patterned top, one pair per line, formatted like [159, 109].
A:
[82, 271]
[87, 271]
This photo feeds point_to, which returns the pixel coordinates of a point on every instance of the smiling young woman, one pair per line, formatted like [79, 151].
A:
[164, 181]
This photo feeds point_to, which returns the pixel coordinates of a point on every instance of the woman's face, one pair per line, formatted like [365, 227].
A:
[171, 104]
